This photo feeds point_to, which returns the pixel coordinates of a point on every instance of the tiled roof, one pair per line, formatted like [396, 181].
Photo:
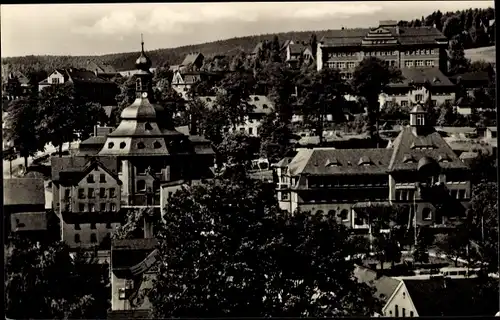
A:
[404, 35]
[84, 76]
[71, 167]
[297, 48]
[283, 162]
[431, 298]
[261, 103]
[191, 58]
[98, 140]
[29, 221]
[134, 244]
[420, 146]
[420, 75]
[328, 161]
[383, 285]
[23, 191]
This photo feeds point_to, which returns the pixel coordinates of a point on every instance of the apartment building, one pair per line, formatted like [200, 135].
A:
[402, 47]
[418, 171]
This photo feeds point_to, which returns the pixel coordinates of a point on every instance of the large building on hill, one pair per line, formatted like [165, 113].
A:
[402, 47]
[418, 171]
[125, 169]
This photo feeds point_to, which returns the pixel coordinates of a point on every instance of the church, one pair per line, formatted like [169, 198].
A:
[137, 165]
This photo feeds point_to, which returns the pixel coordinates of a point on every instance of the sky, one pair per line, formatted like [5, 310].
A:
[95, 29]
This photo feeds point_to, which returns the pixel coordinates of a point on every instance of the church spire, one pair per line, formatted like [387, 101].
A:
[143, 62]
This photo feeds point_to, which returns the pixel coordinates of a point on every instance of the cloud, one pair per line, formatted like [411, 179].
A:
[176, 18]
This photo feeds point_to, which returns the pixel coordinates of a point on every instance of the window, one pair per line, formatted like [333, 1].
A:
[102, 178]
[77, 238]
[351, 65]
[112, 193]
[448, 101]
[170, 194]
[138, 85]
[396, 311]
[120, 166]
[148, 126]
[121, 294]
[427, 51]
[411, 313]
[434, 102]
[77, 226]
[92, 225]
[91, 207]
[403, 312]
[408, 64]
[342, 65]
[429, 63]
[250, 130]
[108, 225]
[141, 185]
[420, 63]
[393, 63]
[427, 214]
[102, 193]
[461, 194]
[344, 215]
[454, 194]
[242, 130]
[419, 98]
[420, 119]
[404, 103]
[331, 65]
[67, 194]
[141, 145]
[103, 206]
[93, 238]
[90, 178]
[113, 207]
[81, 207]
[90, 193]
[111, 145]
[156, 145]
[332, 213]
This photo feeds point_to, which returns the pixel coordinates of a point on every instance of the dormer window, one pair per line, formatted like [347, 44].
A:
[111, 145]
[148, 126]
[333, 162]
[408, 159]
[140, 145]
[122, 145]
[443, 158]
[264, 106]
[209, 100]
[256, 98]
[157, 145]
[365, 161]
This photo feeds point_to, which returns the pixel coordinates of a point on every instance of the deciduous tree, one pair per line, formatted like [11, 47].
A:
[228, 250]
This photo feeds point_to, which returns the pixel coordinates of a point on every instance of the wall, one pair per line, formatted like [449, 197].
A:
[101, 232]
[54, 76]
[124, 304]
[402, 300]
[110, 182]
[326, 207]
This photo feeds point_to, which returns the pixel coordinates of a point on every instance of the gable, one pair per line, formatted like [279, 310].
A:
[96, 170]
[401, 300]
[177, 78]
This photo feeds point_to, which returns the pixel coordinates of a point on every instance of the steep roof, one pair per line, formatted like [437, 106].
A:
[431, 298]
[383, 285]
[330, 161]
[297, 48]
[66, 169]
[100, 67]
[420, 75]
[258, 47]
[414, 147]
[191, 58]
[261, 103]
[404, 35]
[23, 191]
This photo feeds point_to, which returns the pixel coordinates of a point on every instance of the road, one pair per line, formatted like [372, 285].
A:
[49, 149]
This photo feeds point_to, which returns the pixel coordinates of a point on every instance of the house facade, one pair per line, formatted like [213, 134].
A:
[260, 106]
[418, 172]
[401, 47]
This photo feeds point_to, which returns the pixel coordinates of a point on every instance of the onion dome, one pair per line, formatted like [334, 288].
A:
[140, 109]
[143, 62]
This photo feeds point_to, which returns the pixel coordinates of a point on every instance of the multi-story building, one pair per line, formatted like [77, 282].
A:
[85, 82]
[418, 171]
[416, 87]
[86, 198]
[260, 107]
[125, 169]
[402, 47]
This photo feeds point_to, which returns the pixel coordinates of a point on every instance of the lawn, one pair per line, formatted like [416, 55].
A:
[486, 54]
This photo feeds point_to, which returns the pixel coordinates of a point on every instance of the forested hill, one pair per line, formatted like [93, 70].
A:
[467, 22]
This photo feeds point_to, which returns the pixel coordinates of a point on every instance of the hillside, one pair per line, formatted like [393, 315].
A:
[466, 24]
[486, 54]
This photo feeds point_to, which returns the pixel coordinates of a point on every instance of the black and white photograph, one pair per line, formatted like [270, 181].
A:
[250, 159]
